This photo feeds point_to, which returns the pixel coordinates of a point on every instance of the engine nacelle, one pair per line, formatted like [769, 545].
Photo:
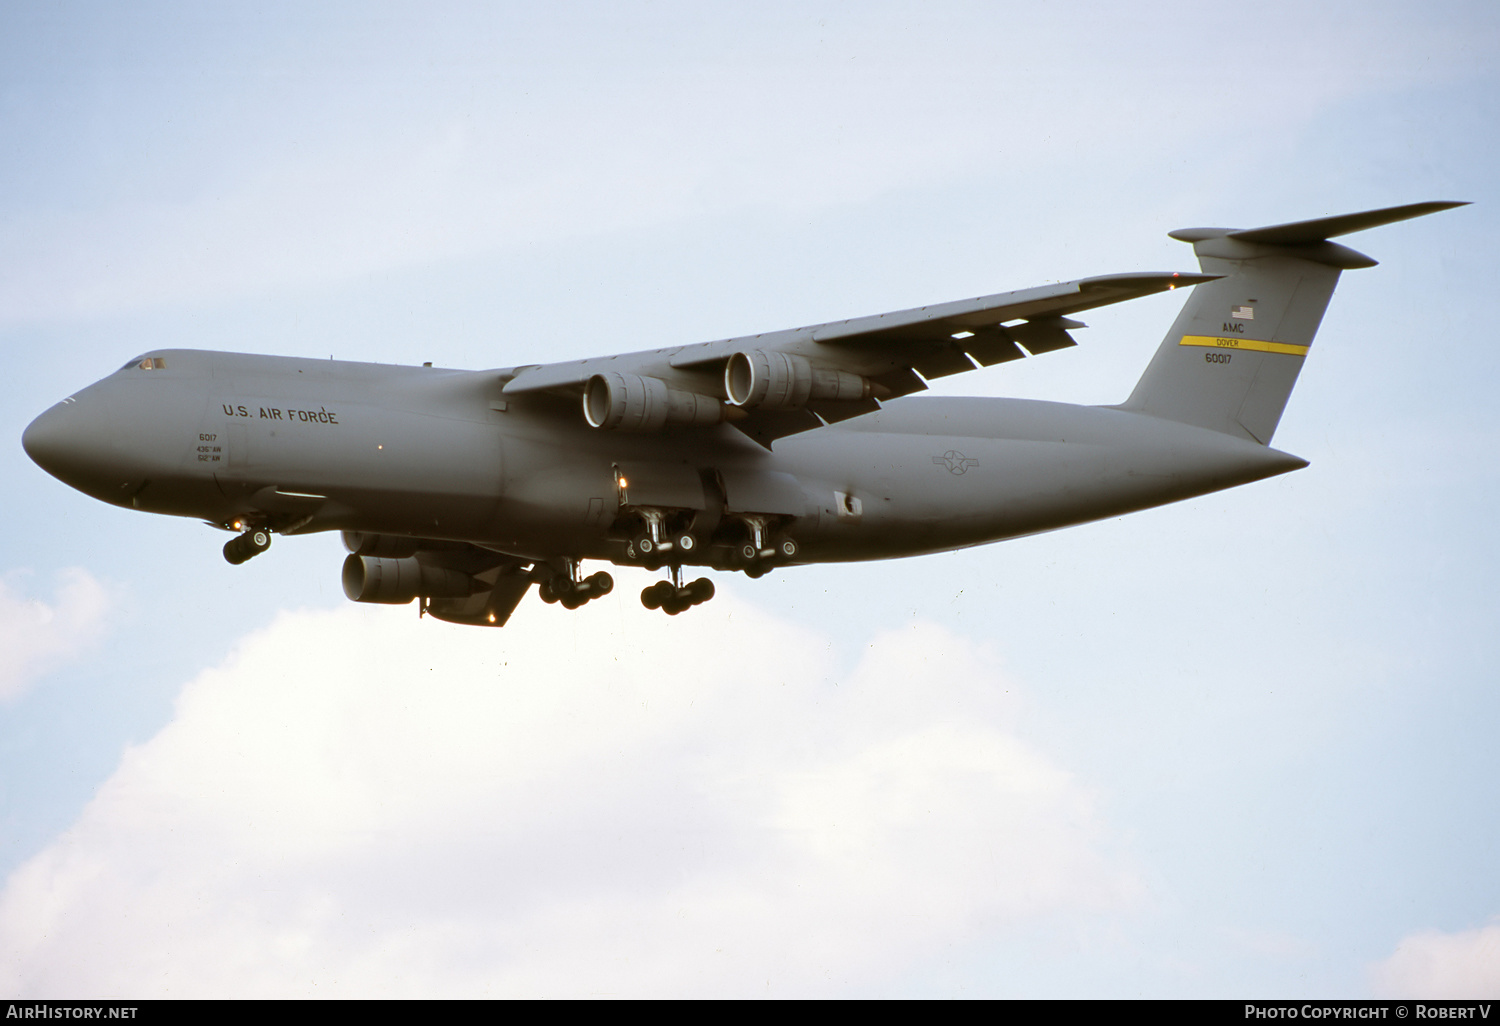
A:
[362, 543]
[628, 402]
[398, 581]
[782, 381]
[395, 546]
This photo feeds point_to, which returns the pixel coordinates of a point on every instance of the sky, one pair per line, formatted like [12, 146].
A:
[1238, 746]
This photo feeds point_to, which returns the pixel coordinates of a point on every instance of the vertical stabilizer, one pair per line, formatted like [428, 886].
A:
[1233, 354]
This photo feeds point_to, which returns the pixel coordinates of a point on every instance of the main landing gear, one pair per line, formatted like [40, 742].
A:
[753, 542]
[655, 540]
[567, 588]
[673, 597]
[759, 553]
[247, 546]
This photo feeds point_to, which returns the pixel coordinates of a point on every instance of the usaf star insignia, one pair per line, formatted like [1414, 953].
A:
[955, 461]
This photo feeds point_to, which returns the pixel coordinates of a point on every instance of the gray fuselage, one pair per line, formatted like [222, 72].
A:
[443, 454]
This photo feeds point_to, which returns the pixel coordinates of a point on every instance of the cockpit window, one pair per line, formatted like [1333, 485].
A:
[146, 363]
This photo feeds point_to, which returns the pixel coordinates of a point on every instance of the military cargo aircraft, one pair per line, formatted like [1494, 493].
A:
[461, 489]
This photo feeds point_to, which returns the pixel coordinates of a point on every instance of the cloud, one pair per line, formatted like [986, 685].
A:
[1433, 964]
[35, 637]
[607, 802]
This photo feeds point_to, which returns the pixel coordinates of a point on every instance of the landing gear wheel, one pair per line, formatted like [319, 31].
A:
[600, 584]
[787, 549]
[673, 599]
[748, 553]
[686, 542]
[546, 592]
[645, 548]
[247, 546]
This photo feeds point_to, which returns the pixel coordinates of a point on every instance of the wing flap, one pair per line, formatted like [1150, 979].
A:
[940, 361]
[832, 412]
[992, 347]
[765, 426]
[901, 381]
[1045, 334]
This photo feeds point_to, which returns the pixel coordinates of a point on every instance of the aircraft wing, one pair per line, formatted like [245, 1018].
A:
[889, 355]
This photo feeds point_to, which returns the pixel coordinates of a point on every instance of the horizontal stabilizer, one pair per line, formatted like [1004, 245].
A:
[1306, 233]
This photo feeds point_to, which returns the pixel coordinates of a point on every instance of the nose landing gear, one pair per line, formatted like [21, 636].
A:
[247, 546]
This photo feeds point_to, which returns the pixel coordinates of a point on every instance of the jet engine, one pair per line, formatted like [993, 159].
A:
[398, 581]
[628, 402]
[783, 381]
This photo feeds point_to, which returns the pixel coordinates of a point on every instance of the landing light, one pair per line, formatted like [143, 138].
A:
[962, 334]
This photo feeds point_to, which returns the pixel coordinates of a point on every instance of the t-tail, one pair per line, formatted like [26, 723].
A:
[1233, 354]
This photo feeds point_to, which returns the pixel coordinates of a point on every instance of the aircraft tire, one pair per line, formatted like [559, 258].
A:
[233, 552]
[701, 590]
[651, 597]
[786, 548]
[686, 542]
[247, 546]
[600, 583]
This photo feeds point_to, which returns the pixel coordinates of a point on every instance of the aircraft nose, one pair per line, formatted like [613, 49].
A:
[52, 441]
[69, 443]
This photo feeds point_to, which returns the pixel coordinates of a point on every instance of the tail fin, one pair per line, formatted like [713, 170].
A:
[1233, 354]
